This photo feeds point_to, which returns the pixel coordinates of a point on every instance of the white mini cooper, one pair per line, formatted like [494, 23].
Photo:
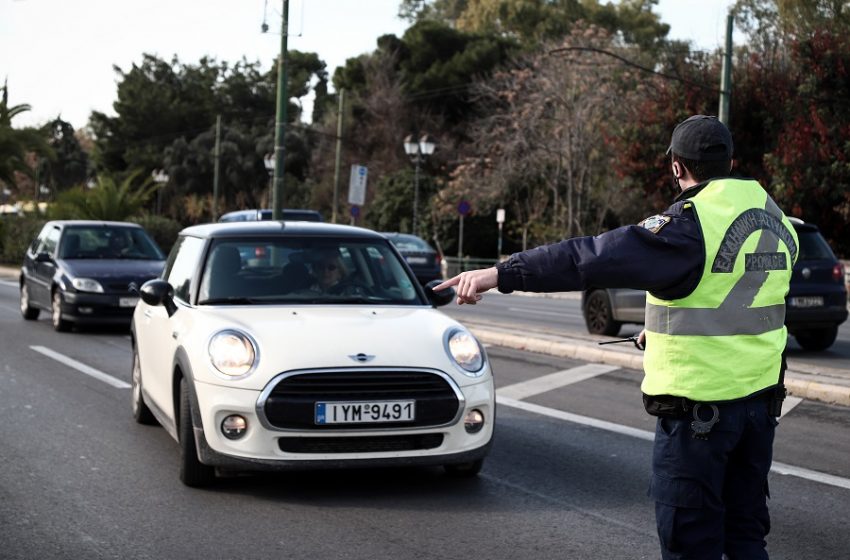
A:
[272, 345]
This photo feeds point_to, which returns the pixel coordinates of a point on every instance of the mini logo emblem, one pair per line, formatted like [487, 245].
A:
[806, 273]
[361, 357]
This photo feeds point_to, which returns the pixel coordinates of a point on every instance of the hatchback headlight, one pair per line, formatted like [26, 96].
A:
[233, 353]
[87, 285]
[465, 351]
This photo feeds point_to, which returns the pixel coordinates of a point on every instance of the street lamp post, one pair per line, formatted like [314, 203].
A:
[417, 151]
[160, 177]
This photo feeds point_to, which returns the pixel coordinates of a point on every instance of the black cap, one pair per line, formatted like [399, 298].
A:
[701, 138]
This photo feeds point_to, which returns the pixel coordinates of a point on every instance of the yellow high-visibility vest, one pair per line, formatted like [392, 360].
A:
[724, 341]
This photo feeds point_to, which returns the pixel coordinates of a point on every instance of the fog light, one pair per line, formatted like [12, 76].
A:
[474, 421]
[234, 426]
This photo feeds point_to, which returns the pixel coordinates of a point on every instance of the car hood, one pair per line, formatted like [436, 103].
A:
[308, 337]
[112, 268]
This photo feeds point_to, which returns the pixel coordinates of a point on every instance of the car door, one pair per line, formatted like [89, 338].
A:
[44, 268]
[157, 334]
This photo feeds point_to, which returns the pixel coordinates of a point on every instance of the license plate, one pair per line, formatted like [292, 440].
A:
[365, 412]
[417, 260]
[127, 301]
[807, 301]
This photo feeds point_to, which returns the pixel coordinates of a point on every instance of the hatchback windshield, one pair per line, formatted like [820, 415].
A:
[105, 242]
[813, 246]
[305, 271]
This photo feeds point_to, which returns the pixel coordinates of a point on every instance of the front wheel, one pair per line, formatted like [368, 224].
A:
[28, 312]
[599, 316]
[464, 470]
[192, 472]
[59, 324]
[817, 339]
[141, 413]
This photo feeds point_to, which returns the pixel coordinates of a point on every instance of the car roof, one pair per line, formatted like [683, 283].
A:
[267, 228]
[90, 223]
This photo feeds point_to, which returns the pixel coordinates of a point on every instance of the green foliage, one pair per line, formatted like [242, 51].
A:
[108, 200]
[70, 167]
[15, 143]
[391, 208]
[163, 230]
[16, 234]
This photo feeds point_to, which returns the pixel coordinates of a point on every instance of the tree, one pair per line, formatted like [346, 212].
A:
[70, 166]
[108, 200]
[15, 144]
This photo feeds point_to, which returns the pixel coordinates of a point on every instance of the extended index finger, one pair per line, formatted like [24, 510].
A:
[447, 284]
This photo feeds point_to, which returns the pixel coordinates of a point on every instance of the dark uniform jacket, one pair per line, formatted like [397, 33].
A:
[664, 255]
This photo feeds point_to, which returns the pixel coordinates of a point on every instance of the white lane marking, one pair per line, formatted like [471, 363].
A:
[553, 381]
[537, 312]
[779, 468]
[789, 404]
[81, 367]
[8, 283]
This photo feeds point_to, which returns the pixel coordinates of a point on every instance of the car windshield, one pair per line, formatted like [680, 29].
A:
[813, 246]
[108, 242]
[305, 271]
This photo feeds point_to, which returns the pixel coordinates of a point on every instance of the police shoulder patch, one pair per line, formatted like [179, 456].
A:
[655, 223]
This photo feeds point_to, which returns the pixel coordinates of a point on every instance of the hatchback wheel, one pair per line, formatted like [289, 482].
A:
[192, 471]
[817, 339]
[599, 316]
[141, 413]
[29, 312]
[59, 323]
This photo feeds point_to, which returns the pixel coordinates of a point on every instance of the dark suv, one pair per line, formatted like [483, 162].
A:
[815, 306]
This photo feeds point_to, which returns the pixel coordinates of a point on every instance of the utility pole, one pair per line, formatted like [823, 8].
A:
[726, 75]
[280, 117]
[338, 152]
[216, 168]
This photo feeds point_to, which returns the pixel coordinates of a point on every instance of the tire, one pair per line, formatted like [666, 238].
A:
[59, 324]
[817, 339]
[598, 315]
[192, 472]
[28, 312]
[141, 413]
[464, 470]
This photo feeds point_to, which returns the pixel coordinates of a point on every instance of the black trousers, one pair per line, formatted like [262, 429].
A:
[711, 494]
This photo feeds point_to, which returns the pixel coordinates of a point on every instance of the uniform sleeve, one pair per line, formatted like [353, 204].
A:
[664, 254]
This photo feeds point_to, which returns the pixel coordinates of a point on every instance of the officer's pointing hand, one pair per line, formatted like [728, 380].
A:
[471, 284]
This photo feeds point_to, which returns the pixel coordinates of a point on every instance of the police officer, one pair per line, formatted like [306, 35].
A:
[716, 266]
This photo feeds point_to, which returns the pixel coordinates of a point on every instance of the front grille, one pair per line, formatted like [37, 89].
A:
[360, 444]
[291, 404]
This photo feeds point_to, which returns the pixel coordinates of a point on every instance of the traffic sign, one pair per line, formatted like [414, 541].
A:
[464, 208]
[355, 211]
[357, 185]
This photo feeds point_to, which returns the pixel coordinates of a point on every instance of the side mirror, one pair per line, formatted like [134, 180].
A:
[438, 299]
[43, 257]
[158, 292]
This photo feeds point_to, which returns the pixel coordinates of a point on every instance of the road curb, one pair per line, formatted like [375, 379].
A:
[798, 384]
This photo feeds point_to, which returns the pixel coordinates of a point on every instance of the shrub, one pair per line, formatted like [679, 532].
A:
[163, 230]
[16, 234]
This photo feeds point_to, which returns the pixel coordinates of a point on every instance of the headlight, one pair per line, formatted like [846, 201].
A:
[87, 285]
[232, 353]
[464, 350]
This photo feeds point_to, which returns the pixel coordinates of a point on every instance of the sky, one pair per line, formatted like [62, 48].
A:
[58, 55]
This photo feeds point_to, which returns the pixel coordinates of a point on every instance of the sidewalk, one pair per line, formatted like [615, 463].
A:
[829, 385]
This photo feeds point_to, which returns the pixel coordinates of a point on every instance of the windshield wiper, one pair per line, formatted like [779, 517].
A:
[233, 300]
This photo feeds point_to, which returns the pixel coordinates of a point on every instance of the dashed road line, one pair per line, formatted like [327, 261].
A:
[546, 383]
[81, 367]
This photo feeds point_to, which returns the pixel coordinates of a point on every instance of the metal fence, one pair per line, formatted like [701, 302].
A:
[453, 265]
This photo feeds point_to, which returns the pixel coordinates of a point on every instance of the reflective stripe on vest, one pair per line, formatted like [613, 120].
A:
[724, 340]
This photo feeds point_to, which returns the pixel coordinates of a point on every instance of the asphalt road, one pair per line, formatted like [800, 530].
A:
[79, 479]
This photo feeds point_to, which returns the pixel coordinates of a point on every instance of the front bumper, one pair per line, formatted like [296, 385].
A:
[87, 308]
[260, 447]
